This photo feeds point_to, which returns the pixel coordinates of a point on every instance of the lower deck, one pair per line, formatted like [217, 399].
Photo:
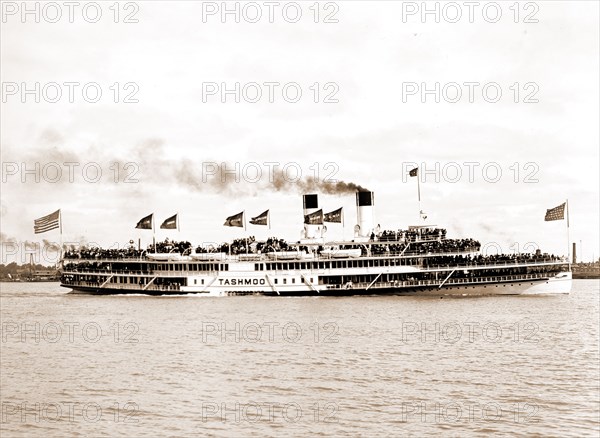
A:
[492, 285]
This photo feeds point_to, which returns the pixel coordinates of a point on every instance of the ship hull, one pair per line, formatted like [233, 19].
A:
[559, 284]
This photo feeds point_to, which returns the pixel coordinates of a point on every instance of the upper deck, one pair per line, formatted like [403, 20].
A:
[423, 248]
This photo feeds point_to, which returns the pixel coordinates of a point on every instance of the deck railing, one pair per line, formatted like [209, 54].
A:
[128, 286]
[355, 285]
[419, 268]
[469, 281]
[272, 257]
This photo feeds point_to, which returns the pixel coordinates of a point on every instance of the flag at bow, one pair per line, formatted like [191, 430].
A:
[556, 213]
[261, 219]
[414, 172]
[145, 223]
[333, 216]
[237, 220]
[47, 223]
[315, 218]
[170, 223]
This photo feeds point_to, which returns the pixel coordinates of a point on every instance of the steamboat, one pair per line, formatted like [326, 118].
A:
[420, 260]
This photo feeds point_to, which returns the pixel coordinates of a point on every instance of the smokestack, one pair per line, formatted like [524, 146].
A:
[310, 204]
[574, 253]
[364, 213]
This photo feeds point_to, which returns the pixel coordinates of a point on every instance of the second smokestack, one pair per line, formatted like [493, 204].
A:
[365, 201]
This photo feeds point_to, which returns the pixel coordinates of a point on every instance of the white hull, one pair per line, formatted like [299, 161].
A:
[560, 284]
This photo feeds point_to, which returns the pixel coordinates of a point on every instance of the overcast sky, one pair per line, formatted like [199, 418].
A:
[369, 121]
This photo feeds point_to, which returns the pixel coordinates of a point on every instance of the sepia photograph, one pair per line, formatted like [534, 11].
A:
[300, 218]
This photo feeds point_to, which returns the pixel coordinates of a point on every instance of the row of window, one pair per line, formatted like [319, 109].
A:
[334, 264]
[287, 266]
[191, 267]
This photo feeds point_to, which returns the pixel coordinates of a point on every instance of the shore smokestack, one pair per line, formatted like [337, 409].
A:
[365, 202]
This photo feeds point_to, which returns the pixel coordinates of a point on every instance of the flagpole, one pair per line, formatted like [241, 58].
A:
[568, 237]
[419, 191]
[269, 218]
[244, 220]
[153, 234]
[343, 226]
[61, 238]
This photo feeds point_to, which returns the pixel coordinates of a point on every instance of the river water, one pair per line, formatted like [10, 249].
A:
[77, 365]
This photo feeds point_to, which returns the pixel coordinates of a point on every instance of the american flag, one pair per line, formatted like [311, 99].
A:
[47, 223]
[556, 213]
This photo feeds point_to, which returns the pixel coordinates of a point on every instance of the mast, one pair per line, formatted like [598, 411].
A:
[568, 237]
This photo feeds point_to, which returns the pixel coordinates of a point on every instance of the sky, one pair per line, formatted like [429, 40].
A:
[146, 107]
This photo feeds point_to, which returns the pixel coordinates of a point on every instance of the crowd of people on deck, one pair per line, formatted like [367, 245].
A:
[413, 235]
[428, 241]
[171, 246]
[427, 247]
[101, 253]
[87, 266]
[248, 246]
[96, 253]
[273, 244]
[478, 260]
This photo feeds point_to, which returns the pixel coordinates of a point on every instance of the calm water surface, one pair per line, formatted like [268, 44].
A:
[76, 365]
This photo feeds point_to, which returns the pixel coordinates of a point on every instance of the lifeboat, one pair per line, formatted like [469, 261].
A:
[209, 256]
[166, 256]
[341, 253]
[285, 255]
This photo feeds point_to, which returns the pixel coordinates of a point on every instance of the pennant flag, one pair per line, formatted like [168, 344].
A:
[47, 223]
[237, 220]
[556, 213]
[334, 216]
[414, 172]
[170, 223]
[261, 219]
[315, 218]
[145, 223]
